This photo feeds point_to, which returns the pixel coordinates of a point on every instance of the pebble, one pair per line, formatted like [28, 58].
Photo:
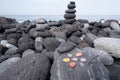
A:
[72, 64]
[66, 60]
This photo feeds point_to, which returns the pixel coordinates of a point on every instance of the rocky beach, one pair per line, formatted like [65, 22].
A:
[70, 49]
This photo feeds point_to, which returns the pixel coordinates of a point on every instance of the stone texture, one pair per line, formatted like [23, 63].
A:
[27, 53]
[115, 26]
[32, 67]
[104, 57]
[8, 63]
[41, 21]
[39, 43]
[25, 43]
[65, 46]
[51, 43]
[42, 27]
[111, 45]
[91, 69]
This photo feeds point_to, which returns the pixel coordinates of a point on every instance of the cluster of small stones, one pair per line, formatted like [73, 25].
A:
[61, 50]
[70, 13]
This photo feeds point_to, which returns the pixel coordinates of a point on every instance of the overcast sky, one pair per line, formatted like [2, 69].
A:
[57, 7]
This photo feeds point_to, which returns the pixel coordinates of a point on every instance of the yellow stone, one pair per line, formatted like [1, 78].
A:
[66, 60]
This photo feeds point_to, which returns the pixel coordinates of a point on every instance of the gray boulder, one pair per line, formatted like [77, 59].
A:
[51, 43]
[27, 52]
[86, 66]
[25, 43]
[115, 26]
[69, 16]
[32, 67]
[105, 58]
[65, 47]
[111, 45]
[39, 43]
[8, 63]
[42, 27]
[70, 11]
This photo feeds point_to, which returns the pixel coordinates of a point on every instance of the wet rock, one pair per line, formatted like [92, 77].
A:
[25, 43]
[105, 58]
[39, 43]
[115, 26]
[27, 53]
[65, 47]
[85, 67]
[51, 43]
[8, 63]
[28, 68]
[111, 45]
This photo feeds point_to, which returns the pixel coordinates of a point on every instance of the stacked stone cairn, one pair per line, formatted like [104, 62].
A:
[70, 13]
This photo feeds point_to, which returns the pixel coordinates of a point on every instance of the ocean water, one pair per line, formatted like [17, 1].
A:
[21, 18]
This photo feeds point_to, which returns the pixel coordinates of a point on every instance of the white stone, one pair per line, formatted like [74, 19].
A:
[111, 45]
[115, 26]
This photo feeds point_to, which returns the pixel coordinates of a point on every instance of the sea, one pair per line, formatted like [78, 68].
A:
[91, 18]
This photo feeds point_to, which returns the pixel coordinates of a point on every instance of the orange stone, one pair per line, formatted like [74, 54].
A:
[72, 64]
[78, 54]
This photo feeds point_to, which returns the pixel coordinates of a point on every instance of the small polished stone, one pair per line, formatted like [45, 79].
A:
[72, 64]
[74, 59]
[69, 55]
[66, 60]
[83, 59]
[78, 54]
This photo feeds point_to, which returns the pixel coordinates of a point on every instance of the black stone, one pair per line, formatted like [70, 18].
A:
[69, 16]
[72, 2]
[71, 6]
[25, 43]
[70, 21]
[65, 47]
[51, 43]
[70, 11]
[31, 67]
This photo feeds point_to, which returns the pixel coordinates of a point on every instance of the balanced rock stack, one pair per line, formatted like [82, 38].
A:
[70, 13]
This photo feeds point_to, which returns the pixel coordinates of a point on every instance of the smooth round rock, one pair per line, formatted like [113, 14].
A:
[39, 43]
[27, 52]
[79, 54]
[69, 16]
[70, 11]
[72, 2]
[115, 26]
[8, 63]
[72, 64]
[83, 59]
[70, 21]
[65, 47]
[4, 42]
[25, 43]
[71, 6]
[42, 27]
[69, 55]
[74, 59]
[66, 60]
[51, 43]
[41, 21]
